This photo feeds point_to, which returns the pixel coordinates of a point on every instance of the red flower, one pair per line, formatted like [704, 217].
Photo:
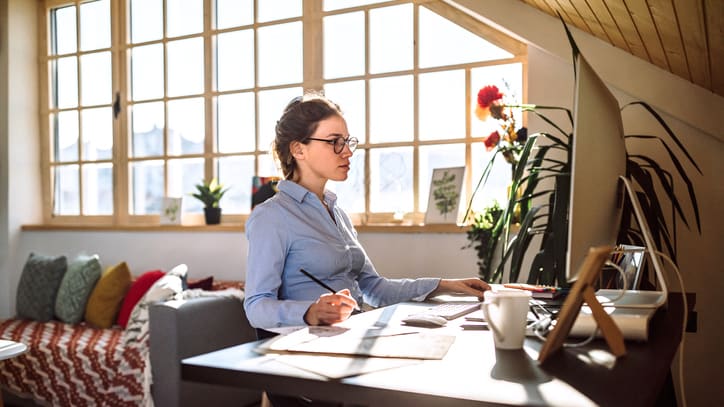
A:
[488, 95]
[492, 140]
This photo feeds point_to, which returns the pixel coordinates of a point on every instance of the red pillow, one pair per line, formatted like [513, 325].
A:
[135, 293]
[205, 283]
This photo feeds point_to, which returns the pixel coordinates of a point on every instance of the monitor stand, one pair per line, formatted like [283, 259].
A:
[648, 299]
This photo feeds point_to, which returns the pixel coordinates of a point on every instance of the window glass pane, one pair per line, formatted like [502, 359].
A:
[98, 189]
[147, 72]
[280, 54]
[391, 109]
[236, 130]
[186, 126]
[97, 133]
[146, 20]
[184, 17]
[270, 10]
[441, 105]
[391, 180]
[146, 187]
[235, 173]
[234, 13]
[350, 96]
[271, 107]
[431, 157]
[391, 41]
[508, 79]
[95, 25]
[148, 123]
[95, 70]
[344, 45]
[268, 166]
[498, 180]
[66, 82]
[66, 136]
[235, 60]
[351, 192]
[63, 39]
[186, 67]
[340, 4]
[67, 193]
[183, 175]
[438, 33]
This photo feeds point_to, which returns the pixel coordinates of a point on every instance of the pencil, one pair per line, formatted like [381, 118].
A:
[322, 284]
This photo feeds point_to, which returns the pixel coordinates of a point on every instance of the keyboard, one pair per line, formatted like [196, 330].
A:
[452, 310]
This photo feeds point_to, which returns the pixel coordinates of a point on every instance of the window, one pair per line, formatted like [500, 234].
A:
[146, 98]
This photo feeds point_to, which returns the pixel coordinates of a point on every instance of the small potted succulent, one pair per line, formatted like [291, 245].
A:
[210, 193]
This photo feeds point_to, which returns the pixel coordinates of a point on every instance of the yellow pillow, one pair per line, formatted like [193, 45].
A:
[107, 296]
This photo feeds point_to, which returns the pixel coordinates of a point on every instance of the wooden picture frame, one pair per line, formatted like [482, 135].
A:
[443, 202]
[583, 291]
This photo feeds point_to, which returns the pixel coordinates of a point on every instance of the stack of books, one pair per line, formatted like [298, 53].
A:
[539, 291]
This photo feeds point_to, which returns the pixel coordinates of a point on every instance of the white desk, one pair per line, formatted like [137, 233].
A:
[471, 373]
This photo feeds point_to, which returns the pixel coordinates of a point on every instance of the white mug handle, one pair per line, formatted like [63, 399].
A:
[496, 331]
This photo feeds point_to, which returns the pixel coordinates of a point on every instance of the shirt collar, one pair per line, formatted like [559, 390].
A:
[299, 193]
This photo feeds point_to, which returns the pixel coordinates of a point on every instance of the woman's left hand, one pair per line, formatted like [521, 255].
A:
[469, 286]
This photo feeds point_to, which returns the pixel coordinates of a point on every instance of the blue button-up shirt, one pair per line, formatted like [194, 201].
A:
[292, 231]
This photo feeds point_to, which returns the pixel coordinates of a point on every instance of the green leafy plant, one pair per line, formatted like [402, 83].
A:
[210, 193]
[545, 177]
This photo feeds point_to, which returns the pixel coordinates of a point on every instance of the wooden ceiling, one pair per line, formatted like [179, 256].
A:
[684, 37]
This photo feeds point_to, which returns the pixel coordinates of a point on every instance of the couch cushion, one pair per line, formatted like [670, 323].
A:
[107, 296]
[38, 286]
[78, 283]
[138, 289]
[202, 284]
[170, 284]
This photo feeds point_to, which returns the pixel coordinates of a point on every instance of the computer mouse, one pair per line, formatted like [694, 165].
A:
[425, 320]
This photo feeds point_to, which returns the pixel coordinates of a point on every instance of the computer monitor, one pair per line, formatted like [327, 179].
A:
[598, 180]
[598, 160]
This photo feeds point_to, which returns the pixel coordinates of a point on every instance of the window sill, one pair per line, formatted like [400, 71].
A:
[238, 227]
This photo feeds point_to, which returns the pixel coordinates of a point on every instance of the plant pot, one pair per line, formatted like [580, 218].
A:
[212, 216]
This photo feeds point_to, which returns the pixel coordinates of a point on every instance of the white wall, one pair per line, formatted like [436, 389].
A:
[409, 255]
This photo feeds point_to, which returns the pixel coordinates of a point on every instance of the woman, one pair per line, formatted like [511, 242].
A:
[301, 228]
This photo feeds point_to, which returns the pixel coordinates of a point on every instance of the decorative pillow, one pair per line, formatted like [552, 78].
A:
[80, 278]
[136, 333]
[138, 289]
[203, 284]
[105, 300]
[39, 285]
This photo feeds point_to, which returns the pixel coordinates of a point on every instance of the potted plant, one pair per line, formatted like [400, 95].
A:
[210, 193]
[548, 219]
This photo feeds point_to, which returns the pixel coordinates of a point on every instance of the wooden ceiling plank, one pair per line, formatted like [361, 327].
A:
[591, 20]
[693, 34]
[714, 12]
[667, 24]
[598, 7]
[639, 11]
[576, 18]
[625, 23]
[543, 6]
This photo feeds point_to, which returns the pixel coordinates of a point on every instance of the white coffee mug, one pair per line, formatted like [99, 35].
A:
[506, 313]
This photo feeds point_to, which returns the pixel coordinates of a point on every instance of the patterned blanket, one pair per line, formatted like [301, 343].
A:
[73, 365]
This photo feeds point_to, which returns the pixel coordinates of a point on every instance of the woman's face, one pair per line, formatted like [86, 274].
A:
[318, 157]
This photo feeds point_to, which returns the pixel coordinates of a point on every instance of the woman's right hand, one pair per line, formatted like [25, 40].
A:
[330, 308]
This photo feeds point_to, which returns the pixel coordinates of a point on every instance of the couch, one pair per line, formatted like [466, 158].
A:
[77, 365]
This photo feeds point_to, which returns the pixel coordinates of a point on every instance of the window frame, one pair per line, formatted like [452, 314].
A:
[312, 27]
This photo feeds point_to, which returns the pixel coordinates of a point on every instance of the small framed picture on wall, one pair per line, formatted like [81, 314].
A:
[171, 211]
[443, 203]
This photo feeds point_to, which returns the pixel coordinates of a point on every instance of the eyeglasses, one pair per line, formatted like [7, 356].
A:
[339, 142]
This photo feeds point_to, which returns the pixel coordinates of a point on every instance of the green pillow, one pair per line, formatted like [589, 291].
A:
[82, 275]
[39, 285]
